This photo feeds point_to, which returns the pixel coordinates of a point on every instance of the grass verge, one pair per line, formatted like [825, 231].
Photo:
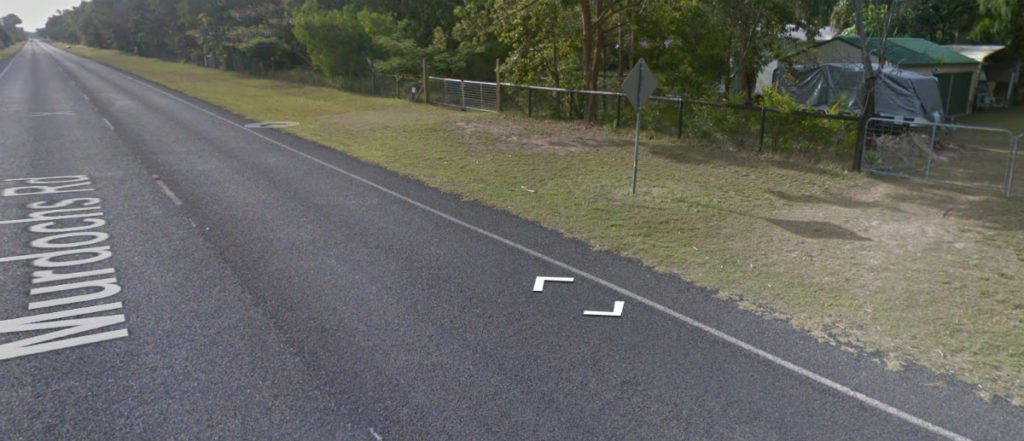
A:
[906, 271]
[10, 50]
[1011, 118]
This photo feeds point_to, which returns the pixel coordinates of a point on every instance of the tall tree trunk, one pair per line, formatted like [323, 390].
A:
[591, 53]
[870, 75]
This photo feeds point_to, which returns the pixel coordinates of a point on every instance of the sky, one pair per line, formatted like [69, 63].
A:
[33, 13]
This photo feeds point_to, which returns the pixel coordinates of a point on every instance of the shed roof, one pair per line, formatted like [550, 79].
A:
[911, 51]
[977, 52]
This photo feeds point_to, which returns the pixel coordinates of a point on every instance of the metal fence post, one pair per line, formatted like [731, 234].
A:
[462, 91]
[529, 102]
[1013, 161]
[931, 153]
[618, 109]
[760, 142]
[572, 105]
[679, 124]
[497, 83]
[426, 84]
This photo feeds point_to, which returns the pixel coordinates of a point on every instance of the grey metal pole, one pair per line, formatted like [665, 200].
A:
[497, 83]
[636, 147]
[1015, 142]
[636, 139]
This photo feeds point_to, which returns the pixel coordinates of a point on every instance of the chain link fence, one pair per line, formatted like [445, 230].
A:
[970, 156]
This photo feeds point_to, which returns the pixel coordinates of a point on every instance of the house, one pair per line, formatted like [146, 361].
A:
[957, 74]
[1000, 73]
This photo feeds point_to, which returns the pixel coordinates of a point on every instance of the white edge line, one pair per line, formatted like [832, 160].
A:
[167, 191]
[657, 306]
[111, 126]
[11, 63]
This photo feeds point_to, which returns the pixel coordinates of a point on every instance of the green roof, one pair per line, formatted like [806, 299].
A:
[912, 51]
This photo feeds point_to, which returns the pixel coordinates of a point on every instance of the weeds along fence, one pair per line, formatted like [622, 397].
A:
[386, 86]
[378, 84]
[737, 126]
[969, 156]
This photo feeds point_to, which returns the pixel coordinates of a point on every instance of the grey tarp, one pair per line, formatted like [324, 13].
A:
[900, 93]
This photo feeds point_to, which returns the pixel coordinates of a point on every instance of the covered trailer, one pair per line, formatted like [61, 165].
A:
[899, 94]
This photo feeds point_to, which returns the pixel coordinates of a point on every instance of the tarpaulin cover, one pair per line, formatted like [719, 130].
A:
[899, 93]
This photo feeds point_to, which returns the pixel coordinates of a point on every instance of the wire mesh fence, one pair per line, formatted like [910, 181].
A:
[739, 126]
[476, 95]
[387, 86]
[970, 156]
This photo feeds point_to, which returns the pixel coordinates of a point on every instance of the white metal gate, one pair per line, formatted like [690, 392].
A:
[971, 156]
[475, 95]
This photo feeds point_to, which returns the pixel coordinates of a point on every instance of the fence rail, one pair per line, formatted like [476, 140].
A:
[737, 124]
[475, 95]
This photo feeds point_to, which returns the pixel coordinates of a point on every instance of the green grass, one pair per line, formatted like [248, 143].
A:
[10, 50]
[907, 271]
[1011, 118]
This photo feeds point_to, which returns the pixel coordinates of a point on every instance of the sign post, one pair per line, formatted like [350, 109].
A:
[638, 86]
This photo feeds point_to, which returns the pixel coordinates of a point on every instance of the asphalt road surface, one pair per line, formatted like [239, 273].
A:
[166, 273]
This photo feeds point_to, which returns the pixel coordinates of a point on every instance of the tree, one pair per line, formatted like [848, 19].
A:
[1002, 21]
[871, 74]
[538, 38]
[10, 33]
[337, 43]
[941, 21]
[693, 60]
[559, 42]
[599, 17]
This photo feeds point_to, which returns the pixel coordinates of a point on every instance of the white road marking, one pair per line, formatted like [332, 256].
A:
[375, 435]
[167, 190]
[615, 312]
[538, 285]
[876, 404]
[111, 126]
[60, 113]
[271, 125]
[9, 64]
